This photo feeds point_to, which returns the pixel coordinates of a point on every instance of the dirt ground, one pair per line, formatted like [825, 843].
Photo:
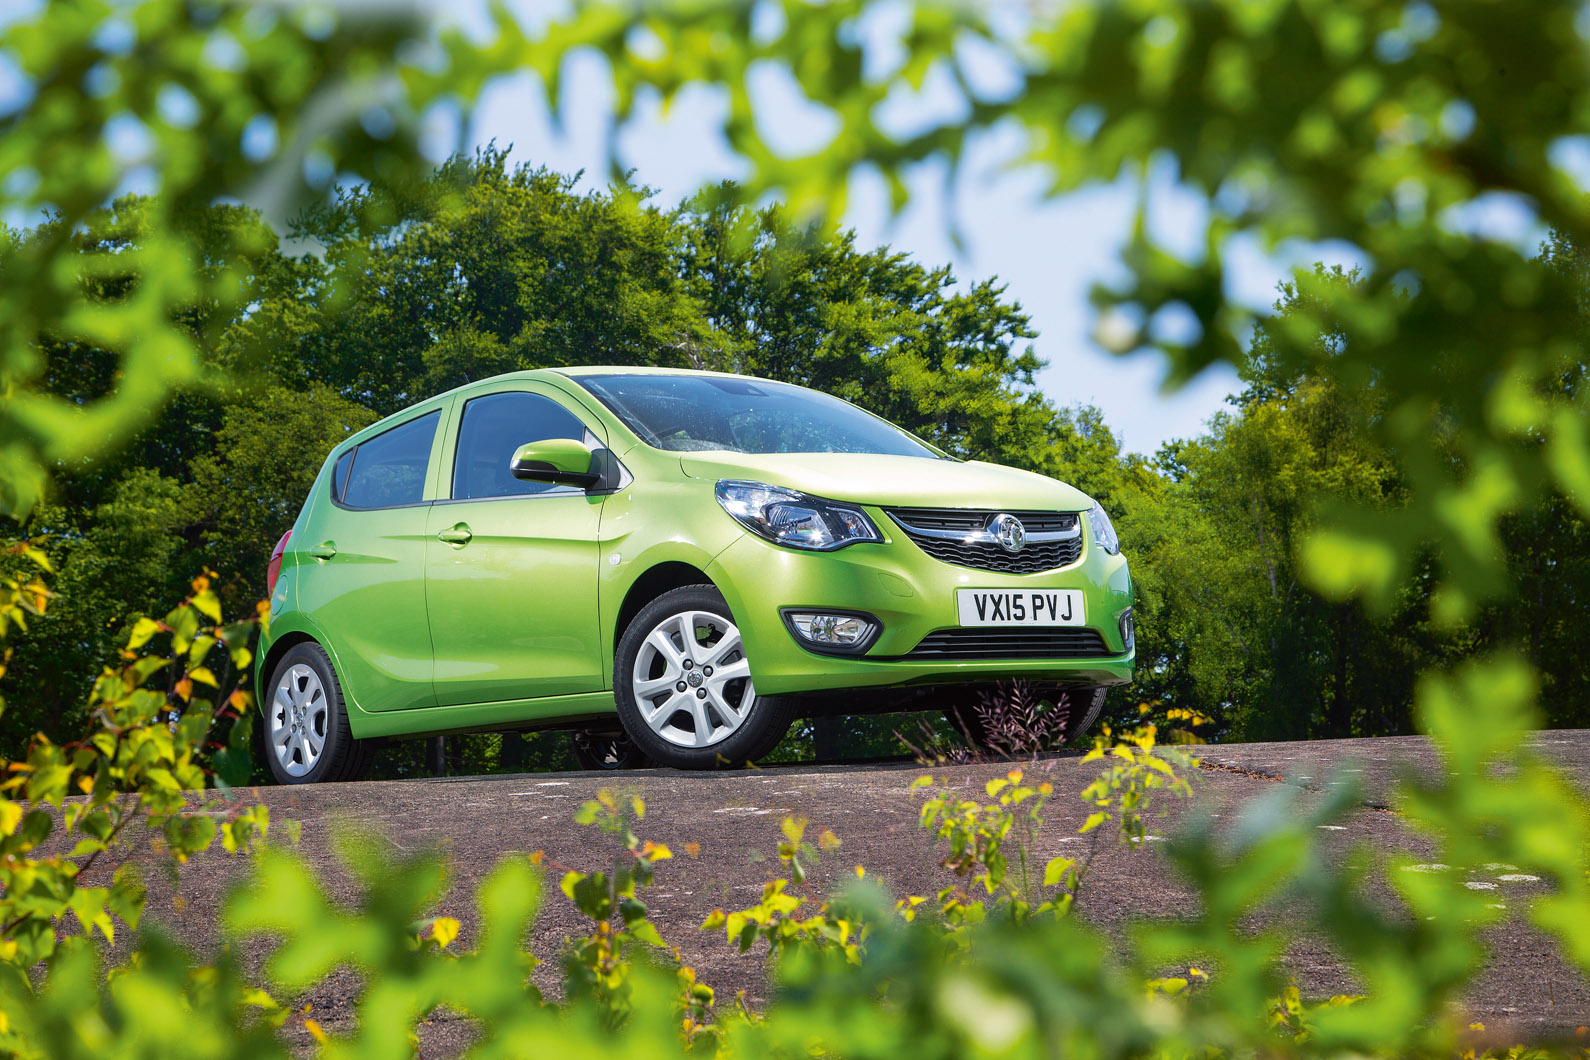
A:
[732, 822]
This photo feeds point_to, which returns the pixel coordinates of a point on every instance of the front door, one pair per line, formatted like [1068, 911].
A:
[511, 565]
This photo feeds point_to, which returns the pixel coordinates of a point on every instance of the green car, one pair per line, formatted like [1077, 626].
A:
[675, 565]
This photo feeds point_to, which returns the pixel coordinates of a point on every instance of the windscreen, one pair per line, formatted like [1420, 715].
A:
[688, 413]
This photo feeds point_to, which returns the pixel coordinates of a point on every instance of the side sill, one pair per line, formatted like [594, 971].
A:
[480, 717]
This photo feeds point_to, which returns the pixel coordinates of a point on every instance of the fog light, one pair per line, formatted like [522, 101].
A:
[1128, 629]
[838, 631]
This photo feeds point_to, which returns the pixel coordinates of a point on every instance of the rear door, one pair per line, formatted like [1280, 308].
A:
[511, 566]
[365, 583]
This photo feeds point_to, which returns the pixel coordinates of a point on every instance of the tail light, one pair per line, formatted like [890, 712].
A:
[274, 569]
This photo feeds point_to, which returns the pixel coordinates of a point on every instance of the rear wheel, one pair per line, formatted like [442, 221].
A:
[1086, 705]
[305, 724]
[607, 750]
[683, 685]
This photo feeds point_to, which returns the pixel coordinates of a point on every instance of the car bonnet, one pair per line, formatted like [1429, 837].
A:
[903, 481]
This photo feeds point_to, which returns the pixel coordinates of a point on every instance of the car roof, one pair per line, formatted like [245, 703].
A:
[623, 369]
[572, 371]
[569, 373]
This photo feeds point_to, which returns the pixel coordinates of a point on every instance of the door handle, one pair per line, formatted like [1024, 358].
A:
[458, 535]
[322, 551]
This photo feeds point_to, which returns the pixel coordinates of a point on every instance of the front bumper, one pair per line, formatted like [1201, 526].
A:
[912, 595]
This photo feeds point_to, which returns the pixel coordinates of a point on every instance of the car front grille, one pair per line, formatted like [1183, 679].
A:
[982, 642]
[961, 536]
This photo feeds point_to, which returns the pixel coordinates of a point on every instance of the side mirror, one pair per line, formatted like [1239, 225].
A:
[563, 461]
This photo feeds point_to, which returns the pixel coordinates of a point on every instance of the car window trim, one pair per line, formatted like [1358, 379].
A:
[338, 484]
[382, 507]
[573, 491]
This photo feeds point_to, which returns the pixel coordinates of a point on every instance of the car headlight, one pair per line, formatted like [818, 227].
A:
[1103, 530]
[786, 517]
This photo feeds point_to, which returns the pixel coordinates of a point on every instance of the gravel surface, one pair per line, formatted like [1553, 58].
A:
[732, 820]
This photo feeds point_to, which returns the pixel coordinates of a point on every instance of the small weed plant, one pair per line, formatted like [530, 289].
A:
[1016, 720]
[172, 713]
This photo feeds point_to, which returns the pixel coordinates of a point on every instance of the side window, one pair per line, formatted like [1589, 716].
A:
[339, 474]
[492, 428]
[389, 469]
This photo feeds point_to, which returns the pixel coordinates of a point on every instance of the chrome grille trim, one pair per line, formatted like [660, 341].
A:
[961, 536]
[971, 526]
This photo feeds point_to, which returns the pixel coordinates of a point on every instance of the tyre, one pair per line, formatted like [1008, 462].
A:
[607, 750]
[305, 726]
[1086, 705]
[683, 685]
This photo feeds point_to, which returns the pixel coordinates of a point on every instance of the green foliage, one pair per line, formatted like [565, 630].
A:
[172, 713]
[1139, 766]
[127, 548]
[480, 270]
[198, 103]
[776, 918]
[977, 834]
[595, 968]
[483, 269]
[266, 455]
[793, 302]
[1228, 621]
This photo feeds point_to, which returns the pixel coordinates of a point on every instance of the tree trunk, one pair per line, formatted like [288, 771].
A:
[825, 738]
[1341, 707]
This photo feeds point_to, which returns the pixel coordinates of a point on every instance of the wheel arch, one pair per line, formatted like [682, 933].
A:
[666, 576]
[273, 655]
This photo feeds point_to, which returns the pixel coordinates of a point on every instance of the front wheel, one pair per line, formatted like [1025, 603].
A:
[683, 685]
[307, 738]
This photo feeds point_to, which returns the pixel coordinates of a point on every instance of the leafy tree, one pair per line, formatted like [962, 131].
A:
[480, 270]
[250, 486]
[801, 305]
[114, 561]
[1230, 624]
[484, 269]
[1548, 544]
[202, 102]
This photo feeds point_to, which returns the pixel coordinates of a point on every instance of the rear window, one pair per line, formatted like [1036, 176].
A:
[389, 470]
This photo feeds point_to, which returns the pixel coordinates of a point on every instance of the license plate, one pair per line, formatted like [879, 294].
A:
[1020, 607]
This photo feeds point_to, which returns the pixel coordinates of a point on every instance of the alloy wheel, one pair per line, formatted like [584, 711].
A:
[299, 716]
[691, 679]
